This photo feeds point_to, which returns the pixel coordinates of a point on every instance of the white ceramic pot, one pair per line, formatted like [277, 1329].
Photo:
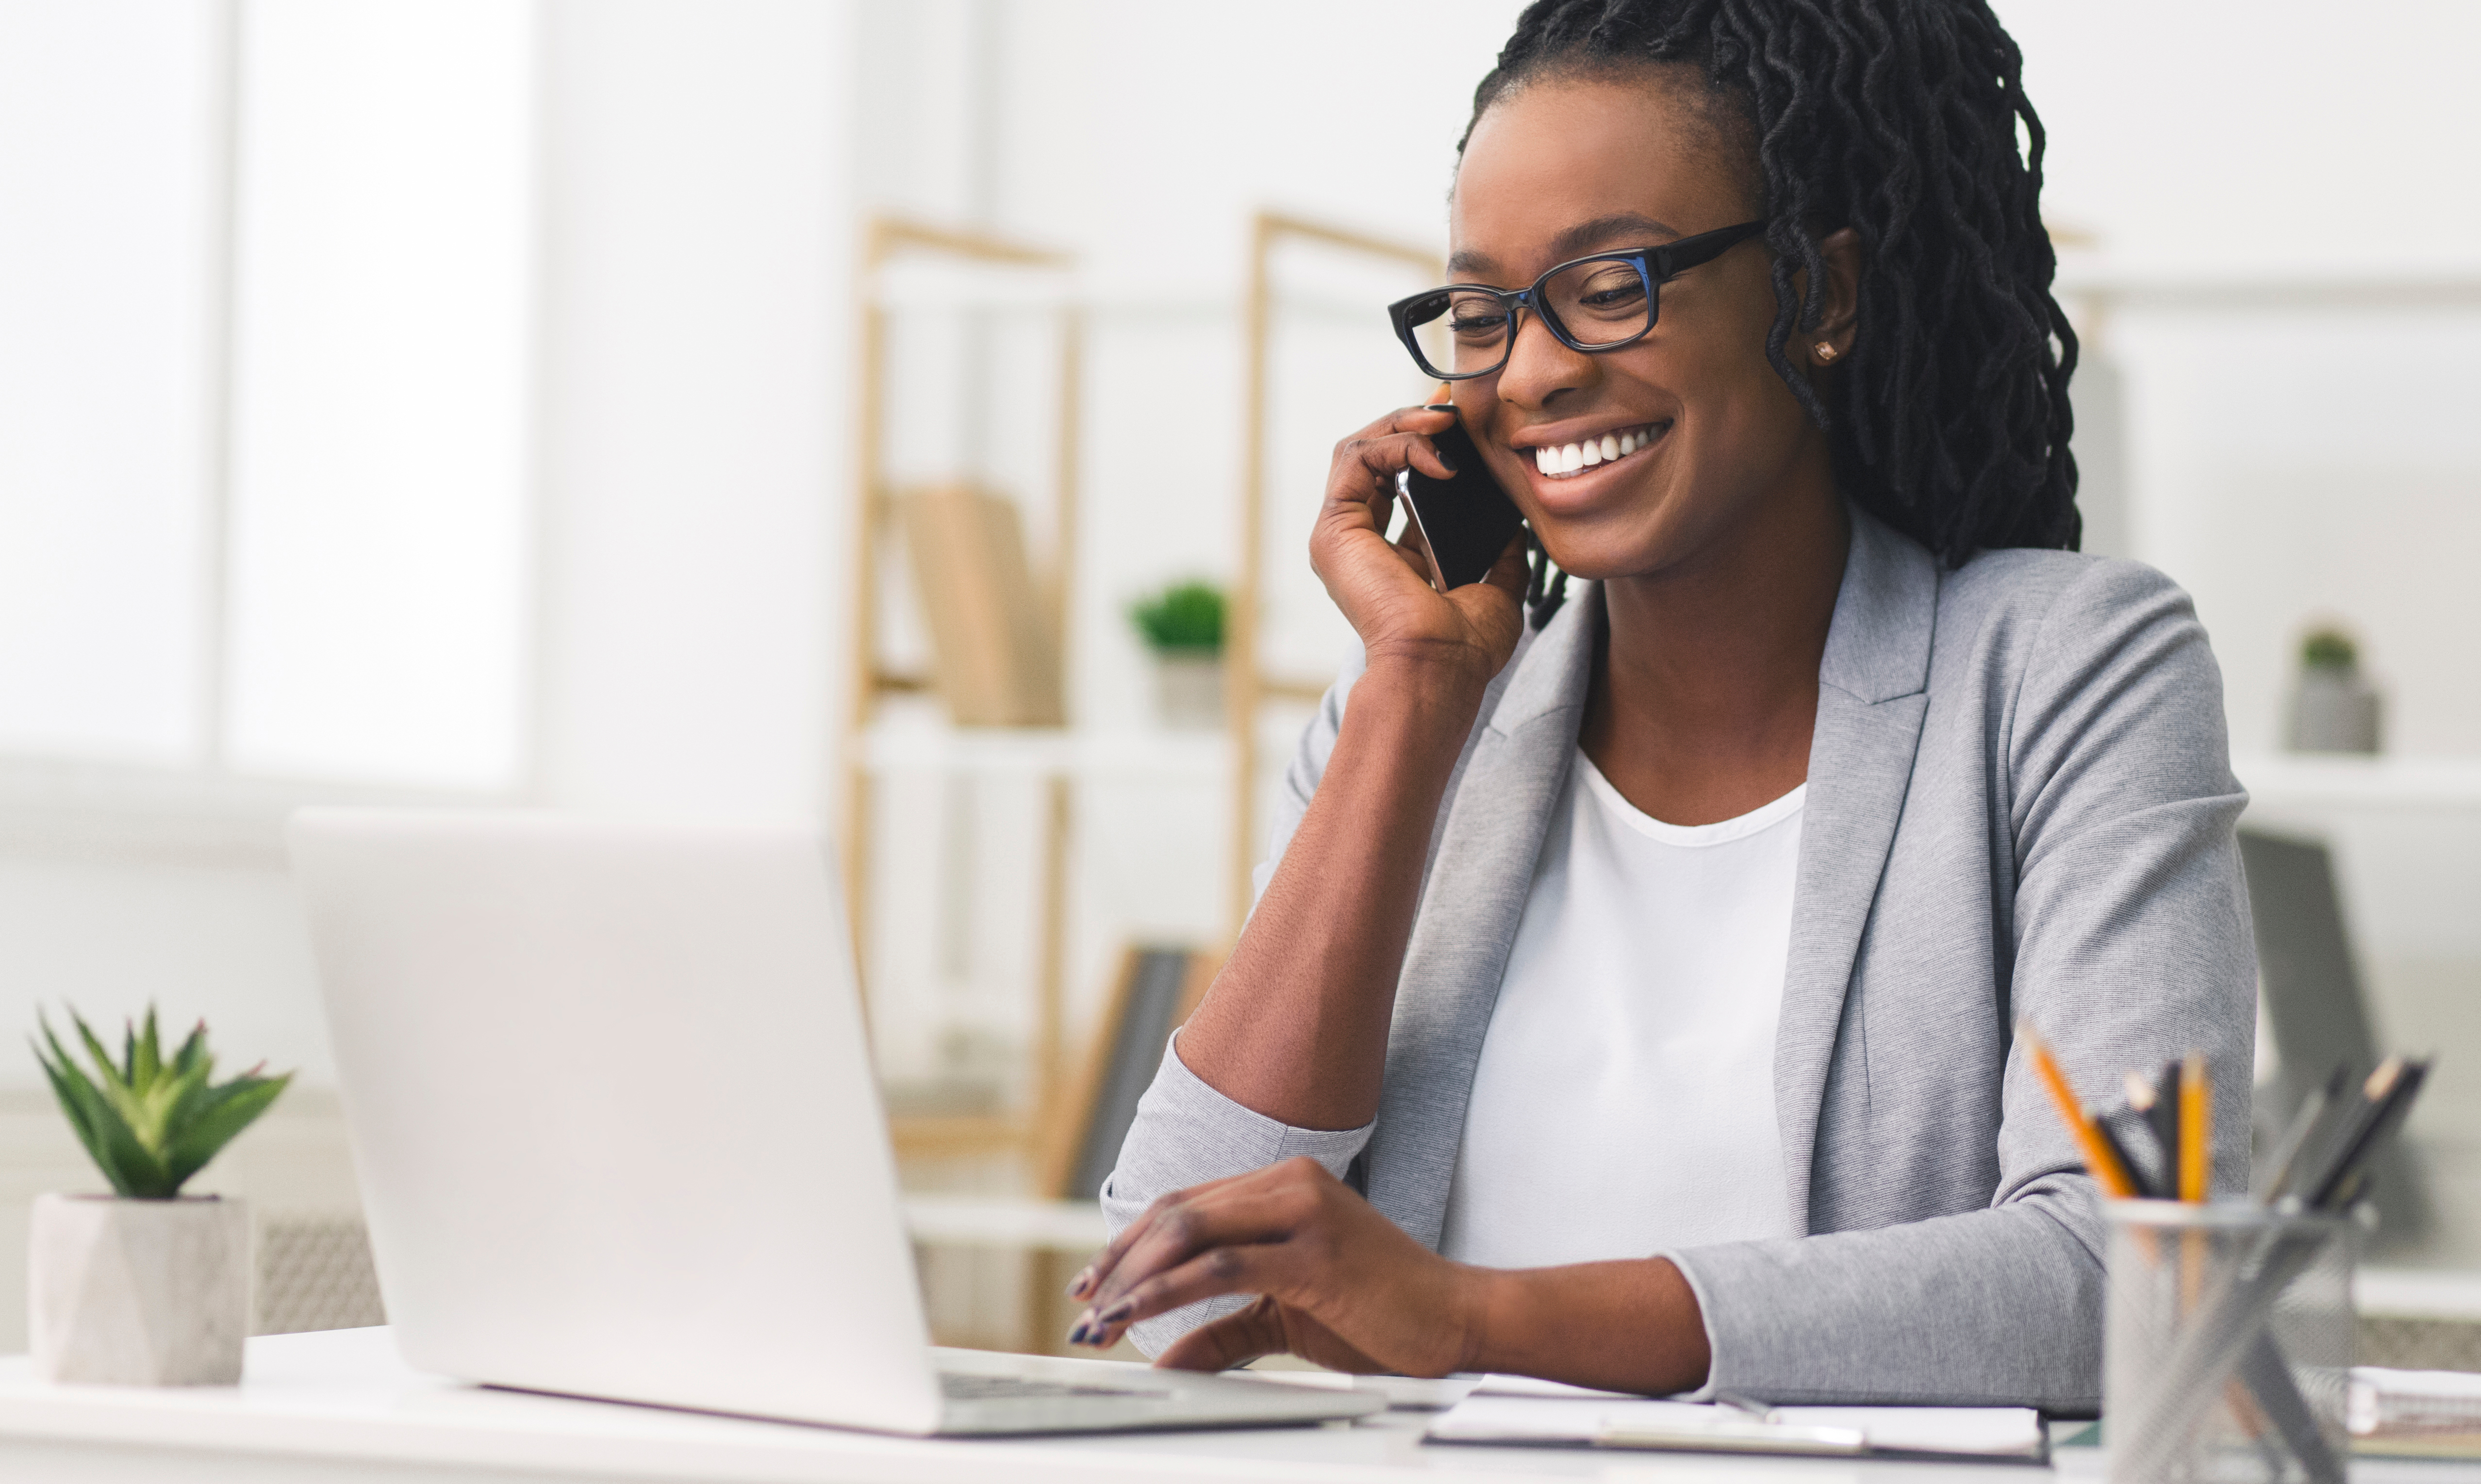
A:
[2334, 710]
[124, 1292]
[1188, 691]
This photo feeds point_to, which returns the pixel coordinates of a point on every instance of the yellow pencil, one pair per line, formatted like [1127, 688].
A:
[2196, 1127]
[2100, 1161]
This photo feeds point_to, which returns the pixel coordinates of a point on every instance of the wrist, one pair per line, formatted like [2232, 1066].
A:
[1425, 674]
[1626, 1326]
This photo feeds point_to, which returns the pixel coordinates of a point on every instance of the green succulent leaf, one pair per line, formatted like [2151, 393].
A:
[194, 1050]
[224, 1114]
[151, 1124]
[98, 1123]
[145, 1054]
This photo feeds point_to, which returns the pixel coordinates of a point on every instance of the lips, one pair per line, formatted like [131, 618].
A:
[1566, 460]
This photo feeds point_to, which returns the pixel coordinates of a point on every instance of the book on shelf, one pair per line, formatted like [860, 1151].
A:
[995, 657]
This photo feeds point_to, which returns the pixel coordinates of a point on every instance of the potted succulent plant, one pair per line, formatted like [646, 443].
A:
[2335, 709]
[1184, 626]
[144, 1287]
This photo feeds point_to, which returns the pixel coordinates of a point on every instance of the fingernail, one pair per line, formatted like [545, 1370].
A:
[1118, 1312]
[1077, 1285]
[1449, 462]
[1077, 1333]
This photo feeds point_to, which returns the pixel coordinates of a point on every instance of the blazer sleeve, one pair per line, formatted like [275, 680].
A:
[2130, 934]
[1186, 1132]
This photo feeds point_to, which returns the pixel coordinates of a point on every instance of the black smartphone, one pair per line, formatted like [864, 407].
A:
[1467, 520]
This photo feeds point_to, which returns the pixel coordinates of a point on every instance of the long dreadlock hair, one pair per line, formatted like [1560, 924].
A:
[1900, 120]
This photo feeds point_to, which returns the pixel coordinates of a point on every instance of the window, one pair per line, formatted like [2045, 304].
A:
[265, 495]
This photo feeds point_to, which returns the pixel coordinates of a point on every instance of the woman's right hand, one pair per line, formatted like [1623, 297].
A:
[1384, 588]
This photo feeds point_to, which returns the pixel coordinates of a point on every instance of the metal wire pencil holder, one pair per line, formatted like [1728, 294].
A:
[2228, 1343]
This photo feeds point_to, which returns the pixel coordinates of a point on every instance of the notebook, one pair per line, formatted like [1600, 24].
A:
[2414, 1414]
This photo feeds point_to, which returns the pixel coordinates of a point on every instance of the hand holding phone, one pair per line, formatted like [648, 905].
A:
[1467, 521]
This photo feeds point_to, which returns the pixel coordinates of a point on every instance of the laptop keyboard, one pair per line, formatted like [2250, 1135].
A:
[959, 1386]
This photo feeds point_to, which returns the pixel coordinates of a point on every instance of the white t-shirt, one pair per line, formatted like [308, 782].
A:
[1625, 1100]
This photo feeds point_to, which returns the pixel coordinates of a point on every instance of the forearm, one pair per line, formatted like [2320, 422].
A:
[1296, 1026]
[1630, 1327]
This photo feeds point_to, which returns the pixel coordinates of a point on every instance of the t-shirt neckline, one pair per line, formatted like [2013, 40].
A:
[1691, 836]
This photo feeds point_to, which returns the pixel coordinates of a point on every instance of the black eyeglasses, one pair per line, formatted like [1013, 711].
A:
[1592, 304]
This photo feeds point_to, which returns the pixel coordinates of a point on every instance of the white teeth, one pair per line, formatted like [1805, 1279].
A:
[1567, 458]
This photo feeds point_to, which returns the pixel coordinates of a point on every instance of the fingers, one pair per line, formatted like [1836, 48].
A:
[1366, 464]
[1090, 1278]
[1235, 1339]
[1223, 1216]
[1253, 1268]
[1241, 1207]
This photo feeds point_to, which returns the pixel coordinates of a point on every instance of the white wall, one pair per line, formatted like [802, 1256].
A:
[696, 285]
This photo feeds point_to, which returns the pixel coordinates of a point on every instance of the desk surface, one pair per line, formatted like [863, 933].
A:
[340, 1405]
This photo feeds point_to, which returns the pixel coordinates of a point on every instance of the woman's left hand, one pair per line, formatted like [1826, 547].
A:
[1338, 1284]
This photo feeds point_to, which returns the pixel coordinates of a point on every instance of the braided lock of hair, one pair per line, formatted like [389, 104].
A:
[1899, 118]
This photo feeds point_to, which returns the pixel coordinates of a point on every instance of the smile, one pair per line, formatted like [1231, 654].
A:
[1567, 459]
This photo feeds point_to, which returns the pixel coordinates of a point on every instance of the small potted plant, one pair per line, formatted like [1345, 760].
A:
[144, 1287]
[2333, 709]
[1184, 626]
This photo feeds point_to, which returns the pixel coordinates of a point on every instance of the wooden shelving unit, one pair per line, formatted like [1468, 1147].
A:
[884, 240]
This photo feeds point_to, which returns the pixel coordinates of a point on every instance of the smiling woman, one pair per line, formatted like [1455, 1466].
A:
[1630, 1001]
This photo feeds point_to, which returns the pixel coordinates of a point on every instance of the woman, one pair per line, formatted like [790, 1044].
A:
[1632, 1001]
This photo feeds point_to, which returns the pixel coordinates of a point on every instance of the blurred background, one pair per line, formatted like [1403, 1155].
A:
[907, 418]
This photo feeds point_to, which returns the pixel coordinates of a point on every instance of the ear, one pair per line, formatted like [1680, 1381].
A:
[1830, 343]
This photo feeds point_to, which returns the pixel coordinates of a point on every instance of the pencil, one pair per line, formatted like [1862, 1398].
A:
[2196, 1127]
[2100, 1161]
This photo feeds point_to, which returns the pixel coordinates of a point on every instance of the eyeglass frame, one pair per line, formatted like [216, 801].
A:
[1655, 266]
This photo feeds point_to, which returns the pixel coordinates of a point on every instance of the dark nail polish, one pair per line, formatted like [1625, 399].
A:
[1118, 1312]
[1449, 462]
[1077, 1285]
[1077, 1334]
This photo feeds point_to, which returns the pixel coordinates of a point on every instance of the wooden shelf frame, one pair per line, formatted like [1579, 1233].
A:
[1247, 687]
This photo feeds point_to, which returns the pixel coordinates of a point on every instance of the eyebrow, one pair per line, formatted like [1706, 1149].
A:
[1578, 240]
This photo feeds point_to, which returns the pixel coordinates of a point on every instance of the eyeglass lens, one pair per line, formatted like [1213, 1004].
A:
[1598, 302]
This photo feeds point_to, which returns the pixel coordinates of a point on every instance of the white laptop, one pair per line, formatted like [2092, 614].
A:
[617, 1135]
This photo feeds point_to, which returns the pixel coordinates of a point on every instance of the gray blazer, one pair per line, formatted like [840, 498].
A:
[2020, 804]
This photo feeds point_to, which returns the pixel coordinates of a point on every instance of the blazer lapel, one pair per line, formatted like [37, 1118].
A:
[1478, 882]
[1872, 693]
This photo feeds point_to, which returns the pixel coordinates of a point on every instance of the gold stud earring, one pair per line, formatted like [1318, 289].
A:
[1825, 350]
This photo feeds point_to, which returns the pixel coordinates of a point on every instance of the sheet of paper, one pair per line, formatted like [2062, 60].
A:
[1980, 1431]
[1498, 1384]
[1557, 1419]
[1988, 1430]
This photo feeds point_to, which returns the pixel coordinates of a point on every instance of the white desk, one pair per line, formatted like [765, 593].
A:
[340, 1406]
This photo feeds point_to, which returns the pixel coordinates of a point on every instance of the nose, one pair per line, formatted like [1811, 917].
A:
[1539, 369]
